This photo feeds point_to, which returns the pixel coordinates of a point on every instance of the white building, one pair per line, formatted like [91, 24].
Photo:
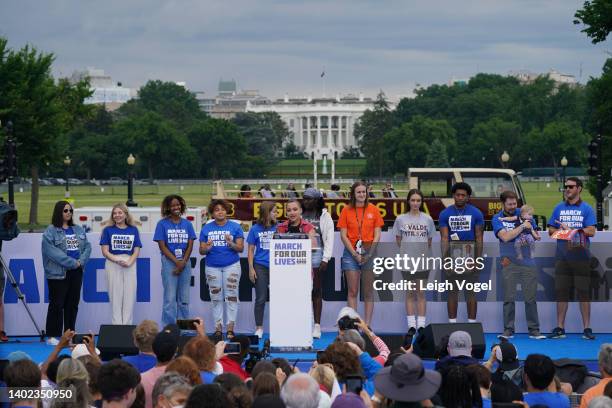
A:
[321, 127]
[527, 77]
[105, 91]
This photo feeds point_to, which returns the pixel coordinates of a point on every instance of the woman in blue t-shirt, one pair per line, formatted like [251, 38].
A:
[259, 259]
[175, 236]
[65, 251]
[120, 243]
[222, 240]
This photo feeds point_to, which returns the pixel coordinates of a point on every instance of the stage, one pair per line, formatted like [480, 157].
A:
[574, 347]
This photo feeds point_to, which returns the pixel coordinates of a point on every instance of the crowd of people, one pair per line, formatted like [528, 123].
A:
[173, 369]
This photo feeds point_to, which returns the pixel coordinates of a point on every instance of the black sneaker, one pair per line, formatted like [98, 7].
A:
[409, 337]
[587, 334]
[557, 333]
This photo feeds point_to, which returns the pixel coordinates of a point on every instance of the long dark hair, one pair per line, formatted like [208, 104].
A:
[410, 194]
[459, 389]
[319, 206]
[353, 200]
[57, 219]
[165, 205]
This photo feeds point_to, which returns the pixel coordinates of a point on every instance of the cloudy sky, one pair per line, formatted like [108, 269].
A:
[282, 47]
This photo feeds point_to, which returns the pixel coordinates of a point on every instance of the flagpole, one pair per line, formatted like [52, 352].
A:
[324, 83]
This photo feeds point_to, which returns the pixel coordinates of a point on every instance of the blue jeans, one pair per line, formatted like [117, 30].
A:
[223, 287]
[176, 292]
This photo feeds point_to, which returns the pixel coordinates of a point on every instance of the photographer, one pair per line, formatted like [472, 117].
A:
[232, 363]
[349, 320]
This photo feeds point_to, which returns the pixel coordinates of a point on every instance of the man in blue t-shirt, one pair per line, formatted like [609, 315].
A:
[572, 269]
[461, 232]
[512, 267]
[539, 374]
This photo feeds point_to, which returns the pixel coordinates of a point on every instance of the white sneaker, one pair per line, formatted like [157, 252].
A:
[259, 333]
[52, 341]
[316, 332]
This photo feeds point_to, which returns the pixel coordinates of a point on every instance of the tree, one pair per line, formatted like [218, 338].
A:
[157, 145]
[291, 151]
[437, 155]
[264, 132]
[596, 15]
[220, 147]
[350, 152]
[369, 133]
[491, 138]
[90, 144]
[559, 139]
[42, 111]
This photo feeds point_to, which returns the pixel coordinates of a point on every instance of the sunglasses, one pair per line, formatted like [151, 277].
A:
[569, 186]
[66, 210]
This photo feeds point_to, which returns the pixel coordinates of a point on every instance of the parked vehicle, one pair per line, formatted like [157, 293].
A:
[115, 181]
[75, 182]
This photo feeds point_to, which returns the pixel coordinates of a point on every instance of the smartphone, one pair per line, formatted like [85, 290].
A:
[186, 324]
[232, 348]
[354, 384]
[78, 338]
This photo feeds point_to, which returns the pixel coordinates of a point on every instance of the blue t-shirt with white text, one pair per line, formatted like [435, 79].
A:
[260, 237]
[461, 223]
[121, 240]
[507, 249]
[575, 216]
[72, 243]
[175, 236]
[221, 254]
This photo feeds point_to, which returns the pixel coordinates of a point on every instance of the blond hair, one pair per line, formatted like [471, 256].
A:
[324, 375]
[144, 334]
[129, 220]
[527, 209]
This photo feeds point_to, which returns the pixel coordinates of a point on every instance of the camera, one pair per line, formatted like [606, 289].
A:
[255, 354]
[347, 323]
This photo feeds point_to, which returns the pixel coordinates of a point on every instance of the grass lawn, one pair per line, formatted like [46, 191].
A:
[542, 197]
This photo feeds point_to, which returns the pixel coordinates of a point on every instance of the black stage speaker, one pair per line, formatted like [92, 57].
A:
[115, 340]
[425, 344]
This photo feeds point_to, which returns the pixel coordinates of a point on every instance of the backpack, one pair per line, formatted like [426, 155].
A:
[571, 371]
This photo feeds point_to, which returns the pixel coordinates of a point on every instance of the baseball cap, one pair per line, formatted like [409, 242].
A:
[312, 193]
[18, 355]
[507, 355]
[460, 344]
[80, 350]
[406, 380]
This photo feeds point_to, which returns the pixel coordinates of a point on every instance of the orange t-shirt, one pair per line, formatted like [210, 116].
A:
[368, 217]
[594, 391]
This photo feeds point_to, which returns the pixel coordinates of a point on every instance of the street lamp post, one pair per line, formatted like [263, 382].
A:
[505, 158]
[563, 166]
[67, 162]
[131, 160]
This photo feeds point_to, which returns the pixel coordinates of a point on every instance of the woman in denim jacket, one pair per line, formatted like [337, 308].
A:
[65, 251]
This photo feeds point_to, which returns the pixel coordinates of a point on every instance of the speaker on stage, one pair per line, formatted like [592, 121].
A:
[432, 335]
[115, 340]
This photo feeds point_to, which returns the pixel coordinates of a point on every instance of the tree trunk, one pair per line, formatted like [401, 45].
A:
[150, 168]
[34, 196]
[88, 173]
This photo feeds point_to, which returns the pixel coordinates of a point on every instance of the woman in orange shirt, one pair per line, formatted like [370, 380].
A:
[360, 225]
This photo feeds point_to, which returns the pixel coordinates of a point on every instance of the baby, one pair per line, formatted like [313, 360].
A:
[526, 237]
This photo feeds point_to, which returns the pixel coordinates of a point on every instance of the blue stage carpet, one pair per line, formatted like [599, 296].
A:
[574, 346]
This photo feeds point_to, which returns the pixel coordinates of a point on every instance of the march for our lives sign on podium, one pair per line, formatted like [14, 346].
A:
[290, 291]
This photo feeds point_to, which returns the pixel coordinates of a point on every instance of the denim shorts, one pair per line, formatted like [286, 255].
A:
[350, 264]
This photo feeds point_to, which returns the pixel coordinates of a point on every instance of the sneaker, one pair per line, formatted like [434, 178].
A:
[536, 335]
[52, 341]
[409, 337]
[218, 336]
[259, 333]
[316, 331]
[3, 336]
[557, 333]
[587, 334]
[507, 334]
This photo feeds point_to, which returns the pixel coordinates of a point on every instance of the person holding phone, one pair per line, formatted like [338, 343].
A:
[222, 240]
[120, 243]
[258, 240]
[175, 236]
[360, 226]
[65, 251]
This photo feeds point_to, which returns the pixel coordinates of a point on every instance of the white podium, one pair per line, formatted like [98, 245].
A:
[290, 292]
